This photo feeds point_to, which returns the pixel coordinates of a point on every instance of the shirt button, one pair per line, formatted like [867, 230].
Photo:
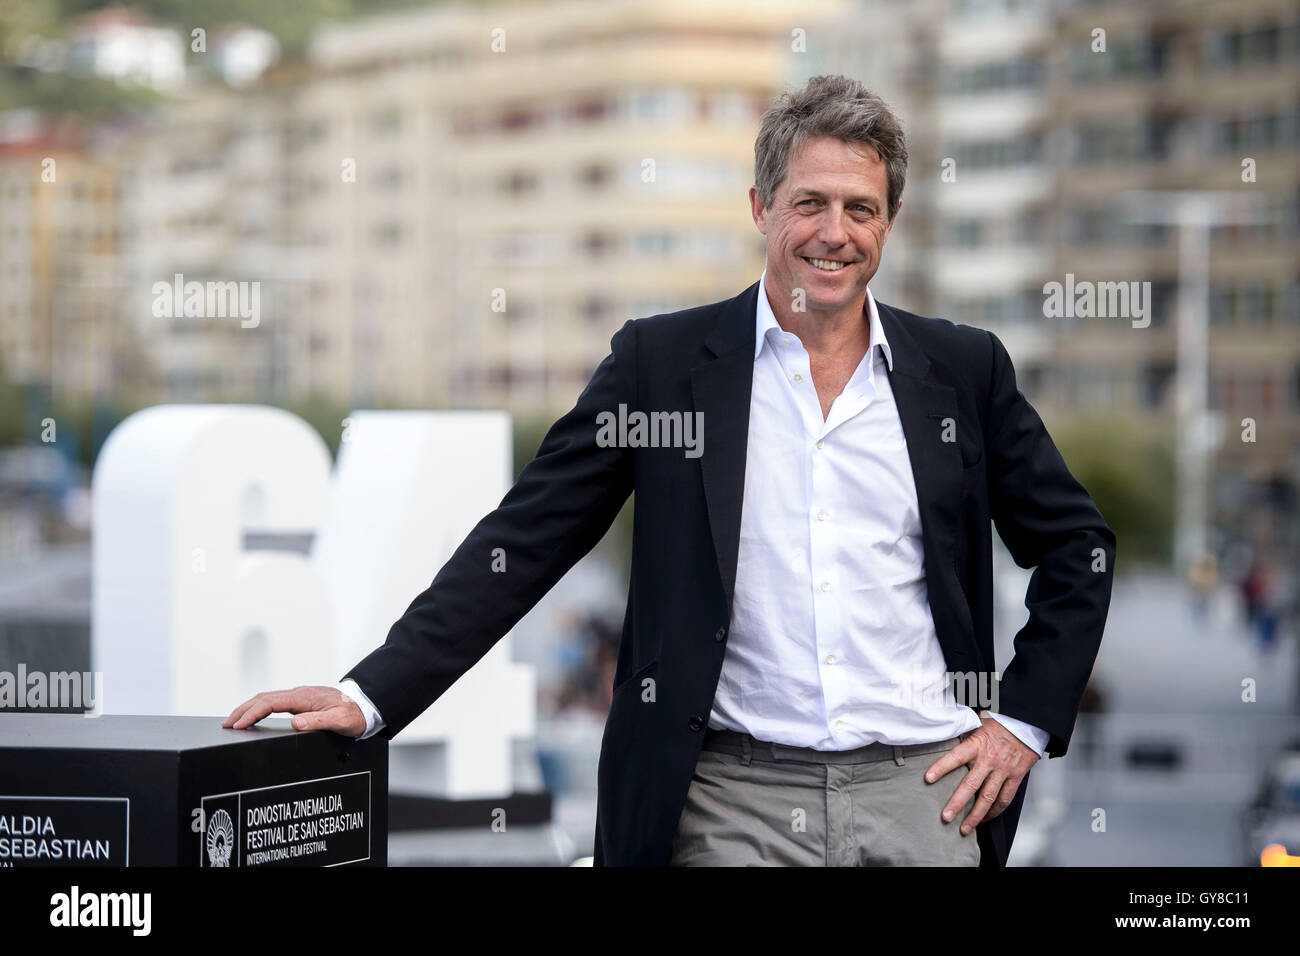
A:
[821, 515]
[826, 585]
[798, 377]
[839, 724]
[830, 658]
[821, 444]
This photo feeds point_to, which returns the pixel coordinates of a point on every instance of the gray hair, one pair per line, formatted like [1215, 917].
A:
[829, 106]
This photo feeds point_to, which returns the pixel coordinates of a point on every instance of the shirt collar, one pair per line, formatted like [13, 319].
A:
[765, 321]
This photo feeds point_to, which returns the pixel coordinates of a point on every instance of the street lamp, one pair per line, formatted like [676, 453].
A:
[1198, 432]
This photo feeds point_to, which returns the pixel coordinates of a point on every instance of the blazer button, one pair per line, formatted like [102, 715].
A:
[695, 723]
[721, 635]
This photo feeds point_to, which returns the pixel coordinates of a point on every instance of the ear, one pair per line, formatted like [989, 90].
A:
[890, 225]
[758, 210]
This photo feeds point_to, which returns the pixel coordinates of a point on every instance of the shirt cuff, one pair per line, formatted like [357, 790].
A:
[1029, 735]
[374, 723]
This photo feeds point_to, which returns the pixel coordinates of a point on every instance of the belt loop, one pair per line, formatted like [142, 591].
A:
[898, 755]
[747, 752]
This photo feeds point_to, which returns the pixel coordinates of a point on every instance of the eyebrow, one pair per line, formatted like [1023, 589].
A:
[806, 193]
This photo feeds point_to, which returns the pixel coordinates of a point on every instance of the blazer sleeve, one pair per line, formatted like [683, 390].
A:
[1049, 523]
[562, 504]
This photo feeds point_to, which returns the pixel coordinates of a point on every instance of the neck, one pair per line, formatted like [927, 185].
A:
[822, 331]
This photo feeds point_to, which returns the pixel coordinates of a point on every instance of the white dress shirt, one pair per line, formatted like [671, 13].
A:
[832, 645]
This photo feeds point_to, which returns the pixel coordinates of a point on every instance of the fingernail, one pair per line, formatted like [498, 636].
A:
[300, 722]
[929, 777]
[947, 814]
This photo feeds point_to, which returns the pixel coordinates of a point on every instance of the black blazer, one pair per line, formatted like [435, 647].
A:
[1002, 466]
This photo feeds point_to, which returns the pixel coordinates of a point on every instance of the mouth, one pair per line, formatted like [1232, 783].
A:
[829, 266]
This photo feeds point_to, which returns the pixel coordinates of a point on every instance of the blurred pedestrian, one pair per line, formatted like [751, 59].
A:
[1203, 575]
[1259, 592]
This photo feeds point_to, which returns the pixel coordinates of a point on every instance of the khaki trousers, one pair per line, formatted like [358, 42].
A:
[752, 803]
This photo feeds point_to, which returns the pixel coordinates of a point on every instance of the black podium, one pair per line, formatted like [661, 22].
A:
[183, 791]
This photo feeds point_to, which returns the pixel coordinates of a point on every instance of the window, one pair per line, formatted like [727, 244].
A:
[664, 103]
[652, 243]
[596, 308]
[588, 110]
[386, 122]
[387, 233]
[597, 244]
[595, 175]
[519, 182]
[997, 153]
[1000, 75]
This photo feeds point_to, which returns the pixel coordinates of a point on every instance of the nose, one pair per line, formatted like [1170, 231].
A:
[831, 229]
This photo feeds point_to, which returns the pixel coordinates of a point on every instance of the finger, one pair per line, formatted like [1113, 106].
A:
[253, 713]
[959, 756]
[1005, 796]
[335, 718]
[235, 714]
[271, 702]
[987, 796]
[968, 787]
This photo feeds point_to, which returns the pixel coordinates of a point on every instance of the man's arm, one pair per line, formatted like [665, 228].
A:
[564, 501]
[1048, 523]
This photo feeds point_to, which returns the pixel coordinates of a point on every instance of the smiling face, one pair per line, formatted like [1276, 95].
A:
[826, 226]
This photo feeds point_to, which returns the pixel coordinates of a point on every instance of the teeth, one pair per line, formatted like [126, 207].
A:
[829, 265]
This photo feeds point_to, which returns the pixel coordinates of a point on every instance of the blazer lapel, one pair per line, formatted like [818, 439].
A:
[721, 386]
[928, 412]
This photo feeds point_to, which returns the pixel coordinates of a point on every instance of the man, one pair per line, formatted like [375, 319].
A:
[809, 565]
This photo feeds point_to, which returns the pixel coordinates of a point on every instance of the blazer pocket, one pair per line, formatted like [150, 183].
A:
[643, 672]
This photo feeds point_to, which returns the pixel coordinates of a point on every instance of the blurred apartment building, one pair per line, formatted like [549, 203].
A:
[455, 206]
[59, 292]
[1048, 139]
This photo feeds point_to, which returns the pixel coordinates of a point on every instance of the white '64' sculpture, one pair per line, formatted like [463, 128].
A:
[203, 595]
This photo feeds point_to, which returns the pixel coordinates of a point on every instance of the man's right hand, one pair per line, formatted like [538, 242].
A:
[317, 708]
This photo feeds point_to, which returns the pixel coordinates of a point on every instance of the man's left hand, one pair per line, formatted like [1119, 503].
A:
[998, 762]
